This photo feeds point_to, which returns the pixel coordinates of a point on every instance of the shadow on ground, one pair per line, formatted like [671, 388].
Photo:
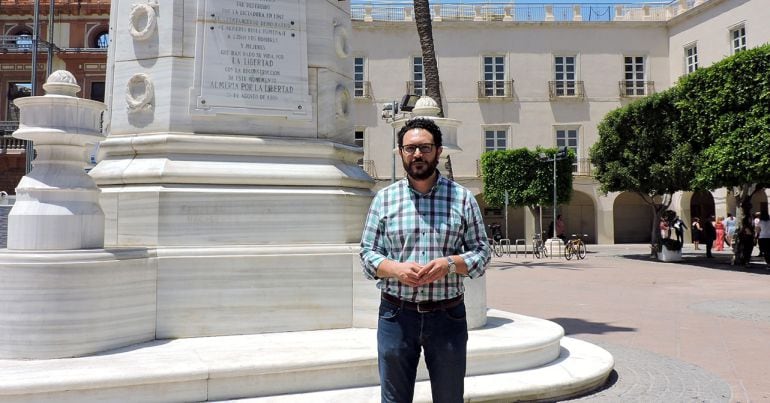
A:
[720, 261]
[573, 326]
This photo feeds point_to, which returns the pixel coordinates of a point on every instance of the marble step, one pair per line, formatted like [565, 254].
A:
[299, 364]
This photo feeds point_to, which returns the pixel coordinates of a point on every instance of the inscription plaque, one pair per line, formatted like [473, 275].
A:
[251, 58]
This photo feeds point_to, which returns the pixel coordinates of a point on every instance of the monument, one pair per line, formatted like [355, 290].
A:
[212, 253]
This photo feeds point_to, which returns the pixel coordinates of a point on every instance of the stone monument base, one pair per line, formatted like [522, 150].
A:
[512, 358]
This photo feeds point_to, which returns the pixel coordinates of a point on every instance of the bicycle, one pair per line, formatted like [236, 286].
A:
[575, 247]
[494, 241]
[538, 247]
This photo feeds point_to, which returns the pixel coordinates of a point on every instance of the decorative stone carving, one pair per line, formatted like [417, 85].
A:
[143, 21]
[61, 82]
[140, 93]
[341, 42]
[342, 102]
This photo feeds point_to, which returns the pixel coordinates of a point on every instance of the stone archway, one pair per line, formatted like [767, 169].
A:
[701, 205]
[759, 201]
[580, 216]
[632, 218]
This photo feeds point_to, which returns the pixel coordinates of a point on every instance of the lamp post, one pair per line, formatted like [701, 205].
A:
[558, 156]
[390, 115]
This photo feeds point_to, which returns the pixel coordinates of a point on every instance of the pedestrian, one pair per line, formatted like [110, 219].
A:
[763, 236]
[709, 235]
[719, 242]
[756, 227]
[730, 225]
[696, 232]
[422, 235]
[679, 228]
[746, 241]
[665, 231]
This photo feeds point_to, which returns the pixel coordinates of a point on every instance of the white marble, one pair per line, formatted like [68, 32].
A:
[57, 304]
[534, 362]
[57, 206]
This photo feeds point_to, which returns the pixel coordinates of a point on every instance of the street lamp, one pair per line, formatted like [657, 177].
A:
[558, 156]
[390, 115]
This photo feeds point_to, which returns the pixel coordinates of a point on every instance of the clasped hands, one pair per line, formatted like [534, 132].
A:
[415, 275]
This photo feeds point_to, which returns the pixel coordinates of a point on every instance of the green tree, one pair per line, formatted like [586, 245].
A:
[526, 177]
[725, 111]
[640, 150]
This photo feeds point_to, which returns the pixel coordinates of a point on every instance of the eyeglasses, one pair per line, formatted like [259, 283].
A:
[424, 148]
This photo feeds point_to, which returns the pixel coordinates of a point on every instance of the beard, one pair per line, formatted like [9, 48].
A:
[420, 168]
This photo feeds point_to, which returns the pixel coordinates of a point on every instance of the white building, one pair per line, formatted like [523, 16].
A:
[538, 75]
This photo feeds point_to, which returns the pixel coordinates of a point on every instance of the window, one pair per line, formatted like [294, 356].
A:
[495, 139]
[738, 38]
[24, 39]
[418, 76]
[359, 85]
[494, 76]
[102, 40]
[634, 79]
[568, 138]
[97, 91]
[564, 76]
[16, 90]
[358, 140]
[691, 58]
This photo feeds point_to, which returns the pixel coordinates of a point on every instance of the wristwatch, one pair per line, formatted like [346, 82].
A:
[452, 266]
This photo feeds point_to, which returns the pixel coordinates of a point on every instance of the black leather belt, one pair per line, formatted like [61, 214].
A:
[425, 306]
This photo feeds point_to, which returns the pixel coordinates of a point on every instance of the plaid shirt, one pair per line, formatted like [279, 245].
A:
[404, 225]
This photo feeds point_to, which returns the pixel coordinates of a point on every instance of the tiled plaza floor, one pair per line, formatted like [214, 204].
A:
[695, 331]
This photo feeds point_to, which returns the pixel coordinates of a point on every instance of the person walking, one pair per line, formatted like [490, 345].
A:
[719, 242]
[757, 216]
[422, 235]
[709, 235]
[730, 225]
[763, 237]
[696, 232]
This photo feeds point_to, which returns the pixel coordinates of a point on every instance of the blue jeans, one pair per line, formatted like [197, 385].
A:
[402, 333]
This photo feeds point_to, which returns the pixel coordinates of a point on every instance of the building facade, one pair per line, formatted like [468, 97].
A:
[539, 75]
[74, 37]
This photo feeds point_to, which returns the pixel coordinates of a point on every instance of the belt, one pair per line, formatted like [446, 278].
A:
[424, 306]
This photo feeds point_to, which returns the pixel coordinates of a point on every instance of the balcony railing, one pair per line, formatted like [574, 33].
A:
[419, 88]
[636, 88]
[369, 167]
[12, 143]
[566, 89]
[582, 167]
[577, 12]
[362, 89]
[495, 89]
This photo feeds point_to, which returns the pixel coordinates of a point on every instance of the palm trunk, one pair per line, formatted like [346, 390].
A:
[429, 63]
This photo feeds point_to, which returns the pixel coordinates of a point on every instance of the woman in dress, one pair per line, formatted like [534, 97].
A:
[720, 241]
[696, 230]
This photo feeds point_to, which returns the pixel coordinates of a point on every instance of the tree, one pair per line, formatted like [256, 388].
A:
[640, 150]
[726, 117]
[527, 179]
[424, 24]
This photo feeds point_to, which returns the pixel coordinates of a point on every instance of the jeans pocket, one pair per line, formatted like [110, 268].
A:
[456, 313]
[389, 311]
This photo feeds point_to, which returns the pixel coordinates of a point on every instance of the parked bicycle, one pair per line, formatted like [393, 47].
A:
[538, 247]
[494, 240]
[575, 247]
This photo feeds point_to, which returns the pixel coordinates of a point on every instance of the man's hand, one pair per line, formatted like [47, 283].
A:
[435, 269]
[408, 273]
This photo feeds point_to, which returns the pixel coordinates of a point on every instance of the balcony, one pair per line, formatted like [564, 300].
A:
[582, 167]
[362, 90]
[632, 88]
[418, 87]
[495, 89]
[566, 90]
[369, 167]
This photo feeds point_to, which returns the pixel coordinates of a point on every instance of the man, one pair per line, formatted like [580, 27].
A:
[709, 235]
[422, 235]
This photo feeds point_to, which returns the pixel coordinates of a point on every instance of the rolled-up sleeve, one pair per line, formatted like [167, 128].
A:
[372, 241]
[477, 252]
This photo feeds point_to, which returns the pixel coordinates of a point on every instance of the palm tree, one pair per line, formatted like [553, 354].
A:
[430, 66]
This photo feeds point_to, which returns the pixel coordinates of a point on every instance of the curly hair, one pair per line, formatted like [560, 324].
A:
[421, 123]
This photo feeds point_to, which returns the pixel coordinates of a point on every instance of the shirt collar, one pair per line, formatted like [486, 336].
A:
[439, 181]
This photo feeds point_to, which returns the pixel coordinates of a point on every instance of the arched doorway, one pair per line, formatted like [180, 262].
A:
[701, 205]
[759, 201]
[580, 216]
[632, 219]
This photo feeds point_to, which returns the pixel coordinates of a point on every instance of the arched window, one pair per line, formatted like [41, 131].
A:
[103, 40]
[23, 39]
